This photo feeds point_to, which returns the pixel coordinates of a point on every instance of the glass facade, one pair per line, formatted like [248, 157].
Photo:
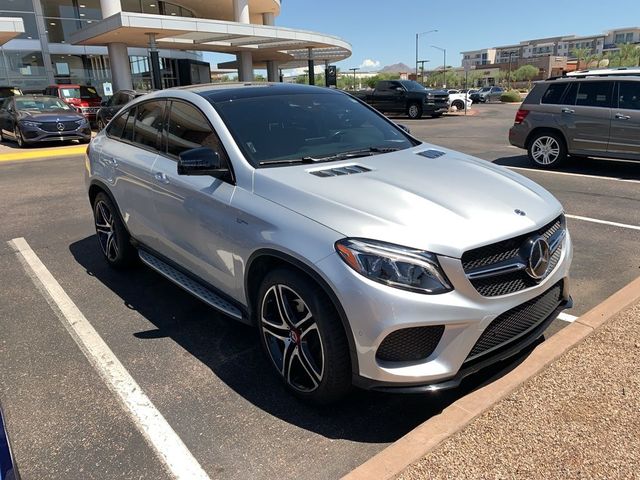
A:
[26, 65]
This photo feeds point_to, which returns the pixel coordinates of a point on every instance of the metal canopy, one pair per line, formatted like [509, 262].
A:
[288, 46]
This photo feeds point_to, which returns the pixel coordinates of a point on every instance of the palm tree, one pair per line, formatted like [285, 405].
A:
[629, 54]
[580, 54]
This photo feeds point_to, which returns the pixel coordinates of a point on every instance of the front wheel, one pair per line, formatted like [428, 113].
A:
[302, 335]
[17, 133]
[547, 150]
[459, 104]
[414, 111]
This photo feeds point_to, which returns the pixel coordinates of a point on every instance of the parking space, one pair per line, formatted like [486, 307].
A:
[204, 373]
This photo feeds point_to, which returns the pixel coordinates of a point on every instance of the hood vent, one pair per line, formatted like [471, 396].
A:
[335, 172]
[431, 153]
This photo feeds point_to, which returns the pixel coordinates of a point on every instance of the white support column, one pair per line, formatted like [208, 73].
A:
[120, 66]
[118, 54]
[243, 59]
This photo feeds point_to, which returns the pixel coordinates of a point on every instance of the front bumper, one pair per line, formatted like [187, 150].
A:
[374, 311]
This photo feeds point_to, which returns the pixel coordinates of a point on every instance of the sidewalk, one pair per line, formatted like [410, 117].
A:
[579, 418]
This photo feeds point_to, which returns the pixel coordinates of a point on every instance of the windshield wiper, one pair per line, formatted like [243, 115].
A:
[365, 152]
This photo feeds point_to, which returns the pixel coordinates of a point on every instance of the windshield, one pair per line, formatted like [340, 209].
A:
[485, 89]
[307, 126]
[412, 86]
[40, 103]
[81, 92]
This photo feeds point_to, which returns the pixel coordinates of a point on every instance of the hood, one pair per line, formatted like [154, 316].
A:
[445, 205]
[49, 116]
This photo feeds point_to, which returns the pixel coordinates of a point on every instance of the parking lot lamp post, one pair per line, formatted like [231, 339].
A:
[418, 36]
[444, 65]
[354, 70]
[509, 76]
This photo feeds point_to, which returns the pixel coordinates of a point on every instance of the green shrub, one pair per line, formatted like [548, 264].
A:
[511, 96]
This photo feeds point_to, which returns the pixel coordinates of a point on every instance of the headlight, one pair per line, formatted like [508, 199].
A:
[82, 121]
[27, 123]
[395, 266]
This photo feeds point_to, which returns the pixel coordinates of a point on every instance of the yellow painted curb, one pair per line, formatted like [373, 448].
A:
[394, 459]
[42, 154]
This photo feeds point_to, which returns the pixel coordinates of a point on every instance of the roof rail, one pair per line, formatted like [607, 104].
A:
[604, 72]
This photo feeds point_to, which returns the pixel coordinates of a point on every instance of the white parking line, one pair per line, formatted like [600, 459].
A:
[565, 317]
[603, 222]
[555, 172]
[168, 446]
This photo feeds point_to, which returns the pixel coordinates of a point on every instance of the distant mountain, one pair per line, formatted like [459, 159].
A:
[397, 68]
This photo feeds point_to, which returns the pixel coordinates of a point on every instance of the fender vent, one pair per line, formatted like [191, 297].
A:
[431, 153]
[335, 172]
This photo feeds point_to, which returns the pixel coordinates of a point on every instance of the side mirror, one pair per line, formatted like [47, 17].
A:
[201, 161]
[404, 127]
[399, 89]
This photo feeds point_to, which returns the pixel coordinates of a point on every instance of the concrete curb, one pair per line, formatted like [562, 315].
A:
[43, 153]
[394, 459]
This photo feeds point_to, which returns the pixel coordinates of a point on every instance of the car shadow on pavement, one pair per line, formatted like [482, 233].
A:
[617, 169]
[232, 351]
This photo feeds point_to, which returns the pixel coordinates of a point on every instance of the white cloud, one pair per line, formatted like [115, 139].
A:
[369, 64]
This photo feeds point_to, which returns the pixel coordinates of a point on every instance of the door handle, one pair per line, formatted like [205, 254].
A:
[161, 177]
[620, 116]
[568, 110]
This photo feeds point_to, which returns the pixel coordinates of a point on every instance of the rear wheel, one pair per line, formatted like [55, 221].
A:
[303, 337]
[547, 150]
[459, 104]
[414, 110]
[113, 237]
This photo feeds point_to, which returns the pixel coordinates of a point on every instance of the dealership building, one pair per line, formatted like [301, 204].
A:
[115, 44]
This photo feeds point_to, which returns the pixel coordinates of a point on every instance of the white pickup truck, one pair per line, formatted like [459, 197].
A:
[458, 99]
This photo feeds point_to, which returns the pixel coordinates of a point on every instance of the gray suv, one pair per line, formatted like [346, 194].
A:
[361, 255]
[590, 113]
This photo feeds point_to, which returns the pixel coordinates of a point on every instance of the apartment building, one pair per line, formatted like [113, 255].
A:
[561, 46]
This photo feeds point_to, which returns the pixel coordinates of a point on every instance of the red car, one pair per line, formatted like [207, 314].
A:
[83, 98]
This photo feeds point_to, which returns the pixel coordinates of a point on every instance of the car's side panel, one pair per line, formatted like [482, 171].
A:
[624, 138]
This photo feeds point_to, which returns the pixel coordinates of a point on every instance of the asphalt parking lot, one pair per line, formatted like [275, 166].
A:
[205, 373]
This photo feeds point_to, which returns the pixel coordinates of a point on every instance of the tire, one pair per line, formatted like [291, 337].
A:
[414, 111]
[18, 137]
[303, 337]
[459, 104]
[113, 238]
[547, 150]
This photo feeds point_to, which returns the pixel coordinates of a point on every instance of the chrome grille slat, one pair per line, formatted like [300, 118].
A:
[499, 269]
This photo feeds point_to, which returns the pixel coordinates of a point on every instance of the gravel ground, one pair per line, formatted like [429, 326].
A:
[580, 418]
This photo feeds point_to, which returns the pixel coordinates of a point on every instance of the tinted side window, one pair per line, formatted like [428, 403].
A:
[116, 127]
[148, 124]
[629, 95]
[553, 95]
[382, 86]
[594, 94]
[188, 128]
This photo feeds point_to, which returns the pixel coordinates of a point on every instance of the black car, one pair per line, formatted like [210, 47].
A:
[114, 104]
[28, 119]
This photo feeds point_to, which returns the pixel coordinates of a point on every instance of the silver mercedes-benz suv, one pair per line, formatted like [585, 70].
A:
[362, 255]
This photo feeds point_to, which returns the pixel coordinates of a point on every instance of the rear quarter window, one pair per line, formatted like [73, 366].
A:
[553, 95]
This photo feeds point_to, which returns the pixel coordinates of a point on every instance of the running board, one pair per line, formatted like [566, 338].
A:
[192, 286]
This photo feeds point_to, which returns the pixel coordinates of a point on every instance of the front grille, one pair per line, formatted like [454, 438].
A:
[53, 126]
[508, 250]
[518, 321]
[410, 344]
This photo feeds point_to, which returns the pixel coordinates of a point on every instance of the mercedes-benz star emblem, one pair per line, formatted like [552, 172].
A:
[539, 256]
[60, 126]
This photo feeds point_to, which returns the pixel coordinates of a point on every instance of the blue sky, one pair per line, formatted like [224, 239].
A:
[384, 31]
